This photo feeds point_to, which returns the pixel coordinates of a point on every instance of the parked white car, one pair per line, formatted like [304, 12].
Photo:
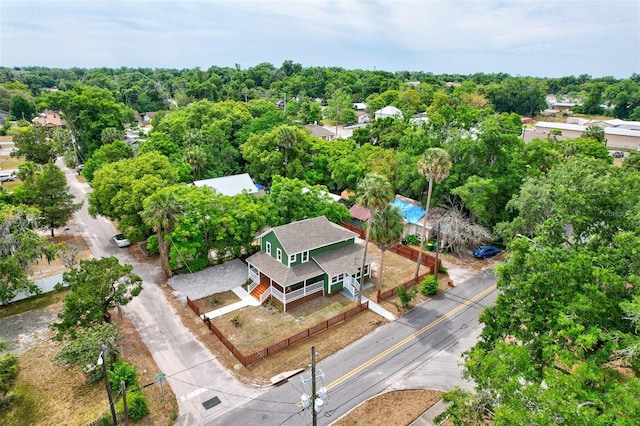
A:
[121, 241]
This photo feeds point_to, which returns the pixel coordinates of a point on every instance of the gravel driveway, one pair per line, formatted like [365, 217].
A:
[214, 279]
[23, 331]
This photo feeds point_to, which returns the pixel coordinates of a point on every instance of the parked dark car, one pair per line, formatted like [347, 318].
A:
[483, 252]
[618, 154]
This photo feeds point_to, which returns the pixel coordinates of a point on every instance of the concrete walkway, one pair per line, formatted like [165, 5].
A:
[246, 300]
[379, 309]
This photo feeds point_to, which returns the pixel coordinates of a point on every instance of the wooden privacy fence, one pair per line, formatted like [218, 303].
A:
[361, 233]
[412, 253]
[247, 360]
[390, 293]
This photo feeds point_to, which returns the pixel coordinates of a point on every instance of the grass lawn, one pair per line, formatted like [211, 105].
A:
[10, 163]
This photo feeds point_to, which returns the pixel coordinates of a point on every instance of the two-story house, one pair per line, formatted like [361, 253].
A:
[306, 259]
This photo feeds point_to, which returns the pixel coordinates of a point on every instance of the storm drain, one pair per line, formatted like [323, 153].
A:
[210, 403]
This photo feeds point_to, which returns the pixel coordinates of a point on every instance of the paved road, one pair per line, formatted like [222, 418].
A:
[398, 355]
[190, 368]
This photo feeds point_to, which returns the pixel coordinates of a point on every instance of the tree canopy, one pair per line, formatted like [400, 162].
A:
[97, 286]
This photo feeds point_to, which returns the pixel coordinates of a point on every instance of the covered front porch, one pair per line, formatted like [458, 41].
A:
[271, 279]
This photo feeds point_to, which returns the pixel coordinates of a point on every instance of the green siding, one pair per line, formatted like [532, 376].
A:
[331, 247]
[275, 245]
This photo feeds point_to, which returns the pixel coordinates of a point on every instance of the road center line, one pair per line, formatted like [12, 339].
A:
[410, 337]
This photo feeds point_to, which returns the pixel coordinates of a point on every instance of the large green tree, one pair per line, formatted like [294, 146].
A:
[88, 110]
[97, 287]
[282, 151]
[434, 165]
[561, 343]
[37, 143]
[22, 108]
[49, 193]
[374, 192]
[108, 153]
[120, 188]
[20, 249]
[291, 200]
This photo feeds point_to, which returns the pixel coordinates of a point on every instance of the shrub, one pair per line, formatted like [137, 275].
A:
[406, 296]
[429, 285]
[443, 269]
[236, 320]
[152, 244]
[137, 406]
[413, 239]
[122, 371]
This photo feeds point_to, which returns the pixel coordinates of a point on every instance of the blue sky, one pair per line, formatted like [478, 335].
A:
[529, 38]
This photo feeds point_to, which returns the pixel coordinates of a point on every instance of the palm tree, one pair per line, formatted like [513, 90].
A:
[386, 230]
[196, 157]
[286, 138]
[374, 192]
[161, 211]
[435, 165]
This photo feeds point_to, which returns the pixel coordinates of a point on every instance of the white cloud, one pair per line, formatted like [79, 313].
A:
[528, 38]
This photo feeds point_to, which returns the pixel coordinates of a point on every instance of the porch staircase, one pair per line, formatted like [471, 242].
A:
[257, 292]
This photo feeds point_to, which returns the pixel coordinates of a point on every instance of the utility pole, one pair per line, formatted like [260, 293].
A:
[102, 361]
[315, 401]
[313, 384]
[123, 387]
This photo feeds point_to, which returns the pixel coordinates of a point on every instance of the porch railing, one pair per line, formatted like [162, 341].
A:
[254, 276]
[352, 285]
[264, 296]
[297, 294]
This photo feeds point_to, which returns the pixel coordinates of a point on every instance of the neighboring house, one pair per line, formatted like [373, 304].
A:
[230, 185]
[621, 136]
[363, 117]
[304, 260]
[144, 120]
[388, 111]
[360, 106]
[563, 106]
[320, 132]
[3, 117]
[50, 119]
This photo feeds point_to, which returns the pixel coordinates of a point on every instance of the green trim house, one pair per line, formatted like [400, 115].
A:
[306, 259]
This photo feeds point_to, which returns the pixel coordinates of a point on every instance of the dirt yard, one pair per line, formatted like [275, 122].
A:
[398, 408]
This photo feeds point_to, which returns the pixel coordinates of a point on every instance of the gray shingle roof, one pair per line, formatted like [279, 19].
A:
[281, 274]
[347, 259]
[309, 234]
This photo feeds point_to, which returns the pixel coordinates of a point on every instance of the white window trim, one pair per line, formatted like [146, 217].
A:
[366, 269]
[292, 258]
[267, 247]
[334, 279]
[305, 256]
[279, 254]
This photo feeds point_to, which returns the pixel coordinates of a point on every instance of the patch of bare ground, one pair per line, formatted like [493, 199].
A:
[390, 409]
[216, 301]
[44, 269]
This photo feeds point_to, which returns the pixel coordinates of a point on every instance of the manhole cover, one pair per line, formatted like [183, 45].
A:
[210, 403]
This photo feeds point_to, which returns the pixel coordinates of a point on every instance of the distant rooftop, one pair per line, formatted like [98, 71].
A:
[230, 185]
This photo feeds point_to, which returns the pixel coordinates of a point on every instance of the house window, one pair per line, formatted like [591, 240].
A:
[305, 256]
[366, 269]
[335, 279]
[358, 273]
[268, 247]
[292, 258]
[279, 254]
